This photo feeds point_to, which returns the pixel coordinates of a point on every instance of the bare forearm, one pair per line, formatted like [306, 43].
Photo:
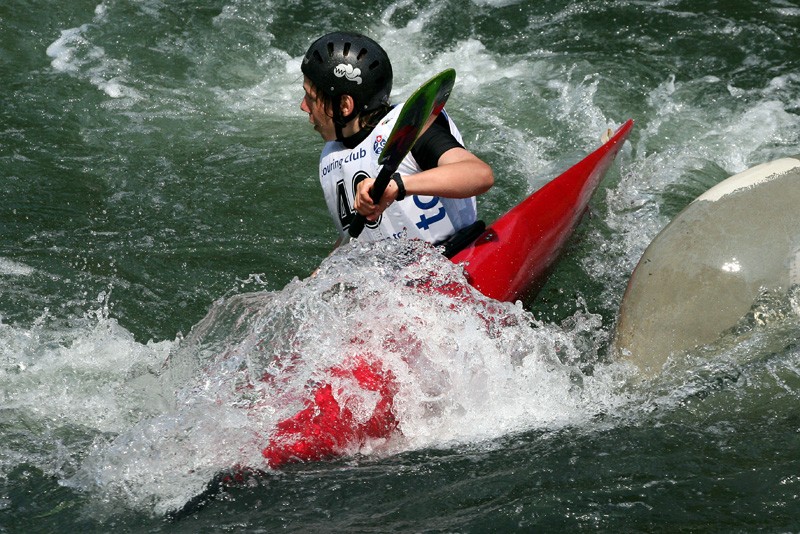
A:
[462, 179]
[460, 174]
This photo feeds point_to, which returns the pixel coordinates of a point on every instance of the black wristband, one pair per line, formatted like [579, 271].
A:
[401, 188]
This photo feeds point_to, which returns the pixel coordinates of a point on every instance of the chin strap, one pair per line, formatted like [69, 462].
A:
[339, 136]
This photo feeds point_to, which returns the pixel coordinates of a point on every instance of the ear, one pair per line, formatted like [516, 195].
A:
[347, 105]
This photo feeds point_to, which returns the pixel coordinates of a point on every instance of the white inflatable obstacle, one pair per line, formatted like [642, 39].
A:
[706, 268]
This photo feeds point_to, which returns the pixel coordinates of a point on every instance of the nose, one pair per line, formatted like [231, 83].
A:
[304, 106]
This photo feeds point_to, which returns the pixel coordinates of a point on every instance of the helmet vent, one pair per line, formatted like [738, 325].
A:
[362, 54]
[330, 49]
[374, 64]
[318, 56]
[346, 50]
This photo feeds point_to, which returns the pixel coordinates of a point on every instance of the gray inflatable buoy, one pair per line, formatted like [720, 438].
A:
[704, 270]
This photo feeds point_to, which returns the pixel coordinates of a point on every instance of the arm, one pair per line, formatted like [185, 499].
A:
[459, 174]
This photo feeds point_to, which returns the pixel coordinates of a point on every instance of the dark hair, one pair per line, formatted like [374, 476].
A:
[370, 119]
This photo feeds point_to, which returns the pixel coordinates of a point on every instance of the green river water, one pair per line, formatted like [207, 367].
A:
[154, 164]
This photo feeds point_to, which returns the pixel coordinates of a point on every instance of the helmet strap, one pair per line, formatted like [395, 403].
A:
[338, 124]
[340, 121]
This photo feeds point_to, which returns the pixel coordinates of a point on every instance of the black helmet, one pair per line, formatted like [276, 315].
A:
[343, 63]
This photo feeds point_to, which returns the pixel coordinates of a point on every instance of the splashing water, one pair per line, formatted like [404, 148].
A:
[468, 369]
[149, 146]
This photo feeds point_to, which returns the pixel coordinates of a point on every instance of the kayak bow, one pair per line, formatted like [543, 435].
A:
[512, 257]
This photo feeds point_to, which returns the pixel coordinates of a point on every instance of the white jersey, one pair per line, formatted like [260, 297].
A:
[422, 217]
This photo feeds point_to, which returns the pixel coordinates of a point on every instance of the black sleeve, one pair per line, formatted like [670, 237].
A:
[433, 143]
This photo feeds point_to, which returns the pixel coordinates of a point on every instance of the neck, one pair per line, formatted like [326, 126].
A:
[347, 130]
[351, 128]
[352, 133]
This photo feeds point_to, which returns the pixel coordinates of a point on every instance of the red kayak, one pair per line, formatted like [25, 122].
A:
[508, 261]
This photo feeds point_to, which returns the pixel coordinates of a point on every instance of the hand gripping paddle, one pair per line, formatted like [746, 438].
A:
[418, 113]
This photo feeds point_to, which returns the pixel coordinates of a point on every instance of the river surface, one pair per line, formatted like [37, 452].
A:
[160, 215]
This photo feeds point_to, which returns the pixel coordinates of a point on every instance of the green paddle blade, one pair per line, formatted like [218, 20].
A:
[417, 114]
[425, 103]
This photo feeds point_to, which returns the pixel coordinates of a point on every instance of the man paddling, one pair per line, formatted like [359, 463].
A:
[347, 83]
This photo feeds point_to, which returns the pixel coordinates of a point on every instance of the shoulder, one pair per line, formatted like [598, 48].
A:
[438, 139]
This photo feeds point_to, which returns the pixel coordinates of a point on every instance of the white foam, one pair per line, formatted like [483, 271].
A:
[14, 268]
[467, 372]
[496, 3]
[787, 11]
[77, 376]
[73, 53]
[64, 50]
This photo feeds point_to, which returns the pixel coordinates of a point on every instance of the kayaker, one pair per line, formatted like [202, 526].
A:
[347, 83]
